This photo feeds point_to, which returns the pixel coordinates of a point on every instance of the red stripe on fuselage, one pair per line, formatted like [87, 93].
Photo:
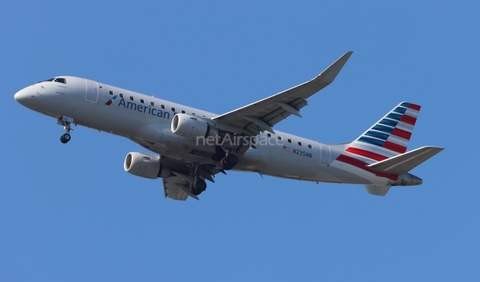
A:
[362, 165]
[365, 153]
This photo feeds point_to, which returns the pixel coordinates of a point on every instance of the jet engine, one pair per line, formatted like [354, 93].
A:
[191, 127]
[145, 165]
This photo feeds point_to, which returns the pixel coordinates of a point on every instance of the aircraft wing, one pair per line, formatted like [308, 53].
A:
[264, 114]
[174, 188]
[177, 186]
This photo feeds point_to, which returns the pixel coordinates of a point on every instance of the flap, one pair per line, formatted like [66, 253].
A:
[172, 186]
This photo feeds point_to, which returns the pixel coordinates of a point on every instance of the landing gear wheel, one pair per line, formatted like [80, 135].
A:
[66, 122]
[219, 154]
[199, 187]
[65, 138]
[216, 157]
[229, 162]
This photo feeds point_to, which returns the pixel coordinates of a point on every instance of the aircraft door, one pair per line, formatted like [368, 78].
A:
[91, 91]
[325, 155]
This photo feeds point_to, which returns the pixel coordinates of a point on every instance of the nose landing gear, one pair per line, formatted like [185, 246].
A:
[65, 138]
[66, 122]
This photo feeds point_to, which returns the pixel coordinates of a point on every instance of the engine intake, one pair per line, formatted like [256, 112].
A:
[191, 127]
[145, 165]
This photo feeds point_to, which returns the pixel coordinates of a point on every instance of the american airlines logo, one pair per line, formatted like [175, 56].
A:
[109, 102]
[140, 108]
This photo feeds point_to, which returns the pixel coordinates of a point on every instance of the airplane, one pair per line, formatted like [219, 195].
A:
[191, 146]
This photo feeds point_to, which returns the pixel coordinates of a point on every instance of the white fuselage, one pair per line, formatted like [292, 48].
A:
[146, 120]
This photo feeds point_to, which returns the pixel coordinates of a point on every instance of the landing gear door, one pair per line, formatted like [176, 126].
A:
[325, 155]
[91, 91]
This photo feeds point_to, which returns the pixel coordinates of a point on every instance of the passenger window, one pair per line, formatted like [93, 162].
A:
[299, 143]
[289, 140]
[279, 137]
[269, 135]
[309, 146]
[163, 106]
[131, 98]
[183, 112]
[121, 95]
[152, 103]
[173, 109]
[142, 101]
[111, 92]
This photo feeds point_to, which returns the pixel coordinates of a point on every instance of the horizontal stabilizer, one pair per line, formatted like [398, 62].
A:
[405, 162]
[378, 190]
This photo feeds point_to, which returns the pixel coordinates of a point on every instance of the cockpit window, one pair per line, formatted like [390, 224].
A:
[51, 79]
[61, 80]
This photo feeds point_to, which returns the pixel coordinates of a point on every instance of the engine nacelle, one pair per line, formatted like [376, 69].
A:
[191, 127]
[145, 165]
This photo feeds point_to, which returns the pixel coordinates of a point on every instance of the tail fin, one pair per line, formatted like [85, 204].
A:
[389, 136]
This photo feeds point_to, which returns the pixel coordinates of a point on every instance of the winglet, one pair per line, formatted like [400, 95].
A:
[330, 73]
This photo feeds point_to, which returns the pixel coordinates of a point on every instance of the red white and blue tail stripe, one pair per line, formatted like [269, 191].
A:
[386, 138]
[390, 135]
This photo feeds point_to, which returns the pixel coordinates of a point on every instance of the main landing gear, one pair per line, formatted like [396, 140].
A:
[66, 122]
[229, 161]
[225, 157]
[199, 185]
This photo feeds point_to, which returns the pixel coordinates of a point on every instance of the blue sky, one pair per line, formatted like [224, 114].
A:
[70, 212]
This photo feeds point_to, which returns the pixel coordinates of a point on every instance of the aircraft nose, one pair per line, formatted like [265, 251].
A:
[23, 96]
[20, 96]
